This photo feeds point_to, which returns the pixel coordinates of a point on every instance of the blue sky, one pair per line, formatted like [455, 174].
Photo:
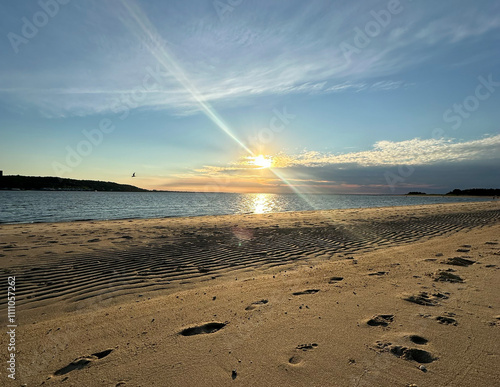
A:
[365, 96]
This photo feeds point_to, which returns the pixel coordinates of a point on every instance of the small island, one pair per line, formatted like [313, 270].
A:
[38, 183]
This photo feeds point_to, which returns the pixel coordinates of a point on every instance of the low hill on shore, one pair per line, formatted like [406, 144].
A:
[61, 184]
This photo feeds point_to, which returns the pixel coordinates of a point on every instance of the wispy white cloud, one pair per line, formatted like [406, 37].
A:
[383, 154]
[409, 152]
[271, 49]
[474, 24]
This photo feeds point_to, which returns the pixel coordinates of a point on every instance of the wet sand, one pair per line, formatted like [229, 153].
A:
[362, 297]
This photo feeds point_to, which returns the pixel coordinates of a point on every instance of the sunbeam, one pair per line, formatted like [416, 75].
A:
[145, 31]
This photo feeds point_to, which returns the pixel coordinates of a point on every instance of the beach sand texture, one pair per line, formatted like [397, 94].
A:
[395, 296]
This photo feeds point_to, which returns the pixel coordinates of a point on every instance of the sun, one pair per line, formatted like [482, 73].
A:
[262, 161]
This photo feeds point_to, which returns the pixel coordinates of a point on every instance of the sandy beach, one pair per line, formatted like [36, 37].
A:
[396, 296]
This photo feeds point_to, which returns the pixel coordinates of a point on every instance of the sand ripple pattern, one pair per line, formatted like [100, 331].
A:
[111, 273]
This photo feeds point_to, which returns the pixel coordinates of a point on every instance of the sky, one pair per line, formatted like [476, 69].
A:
[276, 96]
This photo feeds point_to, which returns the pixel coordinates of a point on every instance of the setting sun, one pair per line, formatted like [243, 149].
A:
[262, 161]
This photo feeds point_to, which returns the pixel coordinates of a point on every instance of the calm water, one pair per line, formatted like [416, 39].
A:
[47, 206]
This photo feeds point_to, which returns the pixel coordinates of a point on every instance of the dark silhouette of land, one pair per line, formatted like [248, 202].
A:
[475, 192]
[464, 192]
[62, 184]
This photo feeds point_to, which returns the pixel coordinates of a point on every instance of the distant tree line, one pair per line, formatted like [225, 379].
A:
[62, 184]
[476, 192]
[466, 192]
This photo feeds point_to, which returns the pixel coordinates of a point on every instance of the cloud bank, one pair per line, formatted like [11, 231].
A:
[431, 165]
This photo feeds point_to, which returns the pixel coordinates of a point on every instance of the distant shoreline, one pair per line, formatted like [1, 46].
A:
[249, 193]
[452, 196]
[53, 183]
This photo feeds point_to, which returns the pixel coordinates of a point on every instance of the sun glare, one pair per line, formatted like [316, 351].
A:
[262, 161]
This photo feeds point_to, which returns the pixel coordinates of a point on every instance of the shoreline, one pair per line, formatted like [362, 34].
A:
[482, 200]
[292, 299]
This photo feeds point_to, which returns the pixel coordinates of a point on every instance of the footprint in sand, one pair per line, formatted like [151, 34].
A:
[297, 358]
[82, 362]
[416, 339]
[446, 320]
[447, 276]
[418, 355]
[426, 299]
[255, 304]
[381, 320]
[405, 353]
[211, 327]
[459, 261]
[306, 347]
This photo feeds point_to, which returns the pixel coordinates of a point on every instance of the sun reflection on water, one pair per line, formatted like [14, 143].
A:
[262, 203]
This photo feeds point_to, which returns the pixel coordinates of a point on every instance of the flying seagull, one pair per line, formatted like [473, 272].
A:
[133, 174]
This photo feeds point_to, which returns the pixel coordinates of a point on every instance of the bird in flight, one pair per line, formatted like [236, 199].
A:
[133, 174]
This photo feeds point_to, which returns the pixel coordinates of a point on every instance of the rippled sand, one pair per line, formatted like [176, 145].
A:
[368, 297]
